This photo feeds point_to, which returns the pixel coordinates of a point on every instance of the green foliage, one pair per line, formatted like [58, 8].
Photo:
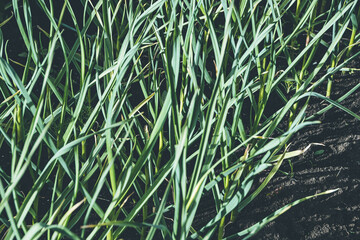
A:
[152, 108]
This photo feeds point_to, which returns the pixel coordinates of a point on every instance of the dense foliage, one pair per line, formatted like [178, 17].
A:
[121, 118]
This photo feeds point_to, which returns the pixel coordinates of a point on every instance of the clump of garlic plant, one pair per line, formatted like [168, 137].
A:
[161, 108]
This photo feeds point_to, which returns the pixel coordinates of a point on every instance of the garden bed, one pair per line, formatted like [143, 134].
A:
[335, 164]
[152, 134]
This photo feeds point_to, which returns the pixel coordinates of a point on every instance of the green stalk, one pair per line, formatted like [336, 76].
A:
[112, 168]
[147, 184]
[297, 11]
[354, 22]
[19, 124]
[161, 146]
[83, 150]
[351, 42]
[305, 63]
[330, 80]
[262, 80]
[226, 181]
[333, 56]
[294, 41]
[222, 225]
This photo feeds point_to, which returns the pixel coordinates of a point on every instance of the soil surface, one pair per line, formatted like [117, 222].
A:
[335, 164]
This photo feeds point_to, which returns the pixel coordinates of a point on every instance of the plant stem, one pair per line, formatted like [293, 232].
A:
[330, 81]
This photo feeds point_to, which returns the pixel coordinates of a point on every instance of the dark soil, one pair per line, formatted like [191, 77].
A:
[335, 165]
